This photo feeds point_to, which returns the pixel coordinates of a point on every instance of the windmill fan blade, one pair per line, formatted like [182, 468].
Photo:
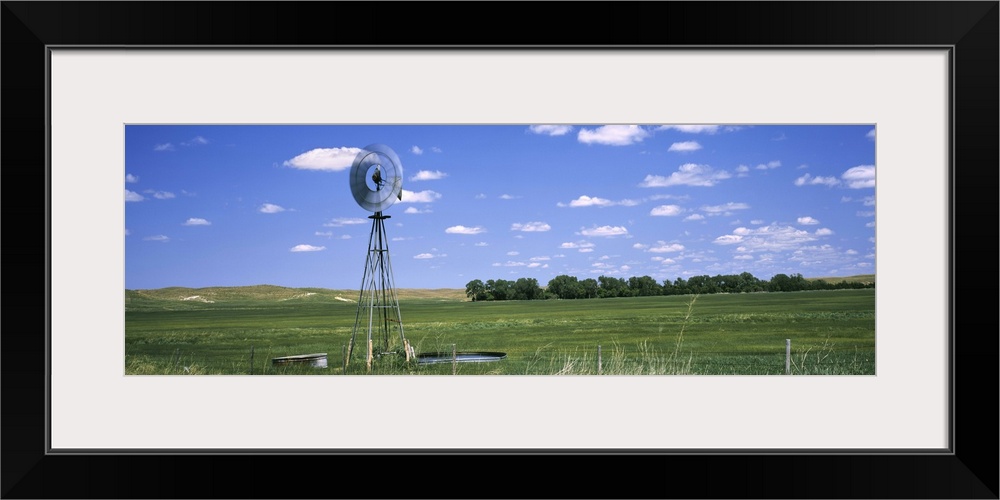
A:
[386, 180]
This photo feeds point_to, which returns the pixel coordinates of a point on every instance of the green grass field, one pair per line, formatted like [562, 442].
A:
[212, 331]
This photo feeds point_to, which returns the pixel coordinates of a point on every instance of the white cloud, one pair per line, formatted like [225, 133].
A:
[465, 230]
[195, 221]
[270, 208]
[657, 197]
[131, 178]
[724, 209]
[419, 197]
[629, 203]
[415, 210]
[509, 263]
[199, 140]
[613, 135]
[306, 248]
[808, 180]
[553, 130]
[587, 201]
[604, 231]
[689, 174]
[664, 247]
[871, 134]
[769, 165]
[482, 244]
[870, 224]
[428, 175]
[436, 149]
[824, 231]
[540, 258]
[640, 246]
[530, 227]
[869, 201]
[416, 150]
[328, 234]
[807, 221]
[133, 196]
[480, 196]
[766, 238]
[684, 147]
[345, 221]
[331, 159]
[127, 232]
[513, 253]
[579, 244]
[691, 129]
[507, 197]
[164, 147]
[159, 237]
[666, 210]
[423, 256]
[728, 239]
[160, 195]
[586, 250]
[694, 217]
[862, 176]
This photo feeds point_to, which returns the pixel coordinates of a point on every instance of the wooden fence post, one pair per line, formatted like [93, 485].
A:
[598, 359]
[788, 356]
[369, 355]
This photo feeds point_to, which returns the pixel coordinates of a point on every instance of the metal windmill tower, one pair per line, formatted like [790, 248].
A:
[377, 183]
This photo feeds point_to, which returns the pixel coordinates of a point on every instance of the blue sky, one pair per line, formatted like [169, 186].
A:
[234, 205]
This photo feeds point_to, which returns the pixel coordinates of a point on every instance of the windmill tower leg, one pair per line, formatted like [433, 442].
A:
[378, 304]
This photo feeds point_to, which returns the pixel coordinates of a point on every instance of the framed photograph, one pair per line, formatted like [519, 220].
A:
[924, 93]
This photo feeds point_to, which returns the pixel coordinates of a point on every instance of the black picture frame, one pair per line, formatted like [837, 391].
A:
[969, 470]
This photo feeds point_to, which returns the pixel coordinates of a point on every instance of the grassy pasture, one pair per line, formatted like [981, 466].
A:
[832, 332]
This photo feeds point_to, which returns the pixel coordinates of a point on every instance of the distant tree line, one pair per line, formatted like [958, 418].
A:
[569, 287]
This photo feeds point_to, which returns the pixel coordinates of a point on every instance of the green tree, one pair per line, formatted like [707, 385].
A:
[680, 287]
[779, 283]
[475, 290]
[565, 287]
[748, 283]
[501, 289]
[590, 288]
[644, 286]
[527, 289]
[611, 287]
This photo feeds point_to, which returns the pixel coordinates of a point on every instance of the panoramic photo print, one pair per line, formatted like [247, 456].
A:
[514, 249]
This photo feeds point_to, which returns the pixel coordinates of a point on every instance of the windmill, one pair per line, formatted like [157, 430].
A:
[376, 183]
